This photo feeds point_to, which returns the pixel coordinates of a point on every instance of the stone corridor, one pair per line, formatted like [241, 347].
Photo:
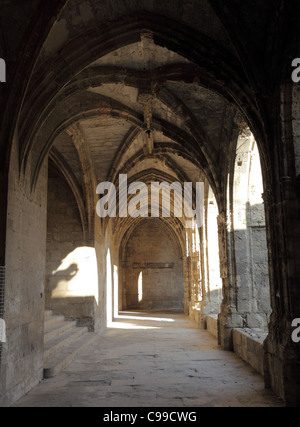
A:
[153, 359]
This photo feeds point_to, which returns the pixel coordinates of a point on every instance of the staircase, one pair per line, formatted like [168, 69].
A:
[63, 340]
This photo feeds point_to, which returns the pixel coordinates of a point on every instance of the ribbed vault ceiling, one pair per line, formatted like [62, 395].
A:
[189, 123]
[134, 87]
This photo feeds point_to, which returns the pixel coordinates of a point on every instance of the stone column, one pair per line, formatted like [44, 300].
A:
[228, 318]
[282, 355]
[202, 279]
[3, 222]
[187, 281]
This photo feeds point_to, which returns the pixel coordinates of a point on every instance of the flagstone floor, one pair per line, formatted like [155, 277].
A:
[153, 360]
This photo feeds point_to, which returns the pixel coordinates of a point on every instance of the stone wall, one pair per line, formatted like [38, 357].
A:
[152, 270]
[22, 358]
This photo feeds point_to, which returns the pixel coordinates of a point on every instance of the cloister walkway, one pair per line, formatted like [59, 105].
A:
[153, 360]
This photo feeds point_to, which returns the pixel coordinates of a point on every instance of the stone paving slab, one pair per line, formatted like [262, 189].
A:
[168, 363]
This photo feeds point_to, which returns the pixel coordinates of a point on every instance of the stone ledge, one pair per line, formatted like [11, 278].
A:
[212, 325]
[248, 345]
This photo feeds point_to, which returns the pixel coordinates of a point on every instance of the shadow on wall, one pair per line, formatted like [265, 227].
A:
[72, 289]
[58, 280]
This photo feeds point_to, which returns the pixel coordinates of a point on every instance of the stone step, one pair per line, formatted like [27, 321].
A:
[48, 313]
[57, 329]
[63, 340]
[67, 354]
[53, 321]
[54, 345]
